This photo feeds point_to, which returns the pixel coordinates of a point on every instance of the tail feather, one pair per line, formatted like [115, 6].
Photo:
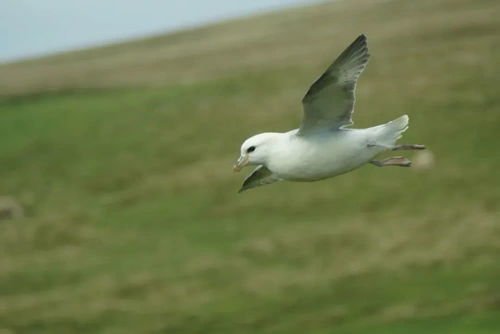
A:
[393, 130]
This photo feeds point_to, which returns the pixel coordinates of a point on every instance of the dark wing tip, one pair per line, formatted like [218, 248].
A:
[246, 184]
[357, 52]
[361, 42]
[245, 187]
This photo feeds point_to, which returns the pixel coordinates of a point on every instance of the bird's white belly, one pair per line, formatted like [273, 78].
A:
[322, 157]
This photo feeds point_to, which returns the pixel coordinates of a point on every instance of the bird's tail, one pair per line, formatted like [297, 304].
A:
[392, 131]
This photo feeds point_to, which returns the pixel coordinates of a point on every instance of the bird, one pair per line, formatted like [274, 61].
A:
[325, 145]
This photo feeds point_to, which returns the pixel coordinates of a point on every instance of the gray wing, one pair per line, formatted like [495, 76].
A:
[259, 177]
[329, 102]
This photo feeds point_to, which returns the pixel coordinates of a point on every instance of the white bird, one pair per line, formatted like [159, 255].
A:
[323, 146]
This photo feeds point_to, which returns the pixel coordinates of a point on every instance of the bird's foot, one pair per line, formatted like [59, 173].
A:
[392, 161]
[409, 147]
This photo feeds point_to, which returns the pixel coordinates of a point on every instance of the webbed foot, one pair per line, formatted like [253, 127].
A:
[392, 161]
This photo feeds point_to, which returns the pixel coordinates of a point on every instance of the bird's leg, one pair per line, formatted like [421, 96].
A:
[387, 147]
[409, 147]
[392, 161]
[398, 147]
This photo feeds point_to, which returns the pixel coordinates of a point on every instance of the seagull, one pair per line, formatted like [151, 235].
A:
[324, 146]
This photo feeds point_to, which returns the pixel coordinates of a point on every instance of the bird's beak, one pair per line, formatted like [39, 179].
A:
[242, 162]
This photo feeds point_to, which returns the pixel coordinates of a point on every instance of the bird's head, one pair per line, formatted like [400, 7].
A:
[255, 150]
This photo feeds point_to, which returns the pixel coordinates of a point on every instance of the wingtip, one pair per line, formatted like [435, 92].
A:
[362, 38]
[361, 42]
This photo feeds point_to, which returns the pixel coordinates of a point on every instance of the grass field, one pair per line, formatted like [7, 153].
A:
[121, 157]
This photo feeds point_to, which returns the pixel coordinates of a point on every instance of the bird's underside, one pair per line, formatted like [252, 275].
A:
[328, 106]
[262, 176]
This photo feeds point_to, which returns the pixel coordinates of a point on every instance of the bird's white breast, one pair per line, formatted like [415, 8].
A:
[317, 157]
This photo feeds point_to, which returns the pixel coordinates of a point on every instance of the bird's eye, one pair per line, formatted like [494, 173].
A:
[251, 149]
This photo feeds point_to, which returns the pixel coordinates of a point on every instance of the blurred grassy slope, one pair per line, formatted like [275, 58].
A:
[122, 158]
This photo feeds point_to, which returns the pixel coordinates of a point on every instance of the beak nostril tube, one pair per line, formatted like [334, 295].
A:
[242, 162]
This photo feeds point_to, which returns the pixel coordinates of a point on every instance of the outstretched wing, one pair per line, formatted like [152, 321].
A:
[259, 177]
[329, 102]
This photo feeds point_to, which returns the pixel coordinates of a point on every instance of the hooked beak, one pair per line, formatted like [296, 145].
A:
[242, 162]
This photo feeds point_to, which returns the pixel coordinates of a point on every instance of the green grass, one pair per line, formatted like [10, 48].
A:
[121, 157]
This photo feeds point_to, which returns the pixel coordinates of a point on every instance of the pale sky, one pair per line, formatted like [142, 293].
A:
[30, 28]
